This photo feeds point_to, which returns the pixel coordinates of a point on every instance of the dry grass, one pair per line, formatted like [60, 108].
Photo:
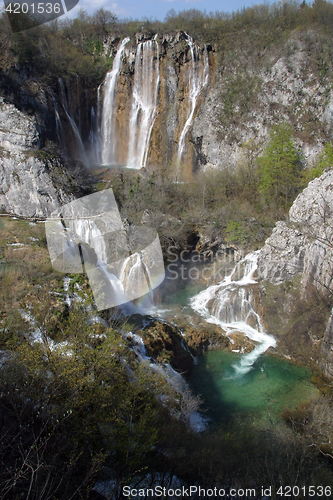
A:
[26, 274]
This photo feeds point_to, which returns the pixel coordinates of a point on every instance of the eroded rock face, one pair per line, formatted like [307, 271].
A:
[281, 84]
[250, 93]
[26, 187]
[282, 257]
[327, 349]
[304, 247]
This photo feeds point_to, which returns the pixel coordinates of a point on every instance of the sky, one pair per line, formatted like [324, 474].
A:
[157, 9]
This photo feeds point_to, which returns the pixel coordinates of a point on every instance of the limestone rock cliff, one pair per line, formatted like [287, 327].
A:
[246, 94]
[26, 186]
[303, 247]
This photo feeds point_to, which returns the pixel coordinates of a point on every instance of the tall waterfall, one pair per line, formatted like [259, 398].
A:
[108, 118]
[198, 79]
[143, 113]
[68, 106]
[230, 304]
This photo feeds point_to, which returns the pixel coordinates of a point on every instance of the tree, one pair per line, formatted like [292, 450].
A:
[280, 167]
[102, 19]
[325, 160]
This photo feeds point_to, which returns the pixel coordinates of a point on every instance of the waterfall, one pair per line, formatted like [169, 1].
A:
[78, 100]
[99, 111]
[81, 149]
[143, 113]
[94, 138]
[198, 79]
[108, 118]
[230, 304]
[59, 129]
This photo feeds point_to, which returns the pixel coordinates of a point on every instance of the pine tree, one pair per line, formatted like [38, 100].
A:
[280, 176]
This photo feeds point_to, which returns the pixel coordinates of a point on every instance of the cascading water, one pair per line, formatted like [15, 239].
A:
[230, 304]
[94, 138]
[81, 149]
[108, 118]
[198, 79]
[59, 129]
[78, 107]
[143, 113]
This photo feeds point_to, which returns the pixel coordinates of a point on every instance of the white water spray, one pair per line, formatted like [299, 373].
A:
[198, 79]
[143, 113]
[108, 119]
[230, 304]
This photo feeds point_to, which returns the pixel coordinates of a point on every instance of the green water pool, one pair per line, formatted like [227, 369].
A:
[257, 397]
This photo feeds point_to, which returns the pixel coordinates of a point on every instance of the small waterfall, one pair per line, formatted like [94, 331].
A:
[59, 129]
[143, 113]
[99, 111]
[79, 103]
[198, 79]
[94, 138]
[230, 304]
[108, 118]
[81, 149]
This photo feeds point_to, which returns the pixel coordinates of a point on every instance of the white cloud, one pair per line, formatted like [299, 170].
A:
[119, 11]
[91, 7]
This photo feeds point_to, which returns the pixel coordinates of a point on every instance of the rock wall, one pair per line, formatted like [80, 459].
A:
[172, 104]
[303, 247]
[26, 186]
[253, 90]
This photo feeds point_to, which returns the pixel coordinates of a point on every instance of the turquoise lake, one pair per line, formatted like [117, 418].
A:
[257, 397]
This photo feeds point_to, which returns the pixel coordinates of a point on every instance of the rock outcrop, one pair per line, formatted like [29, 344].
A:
[304, 247]
[250, 92]
[26, 186]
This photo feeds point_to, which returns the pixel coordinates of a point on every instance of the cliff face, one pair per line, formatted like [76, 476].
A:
[304, 244]
[177, 72]
[26, 186]
[247, 91]
[246, 94]
[254, 89]
[303, 247]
